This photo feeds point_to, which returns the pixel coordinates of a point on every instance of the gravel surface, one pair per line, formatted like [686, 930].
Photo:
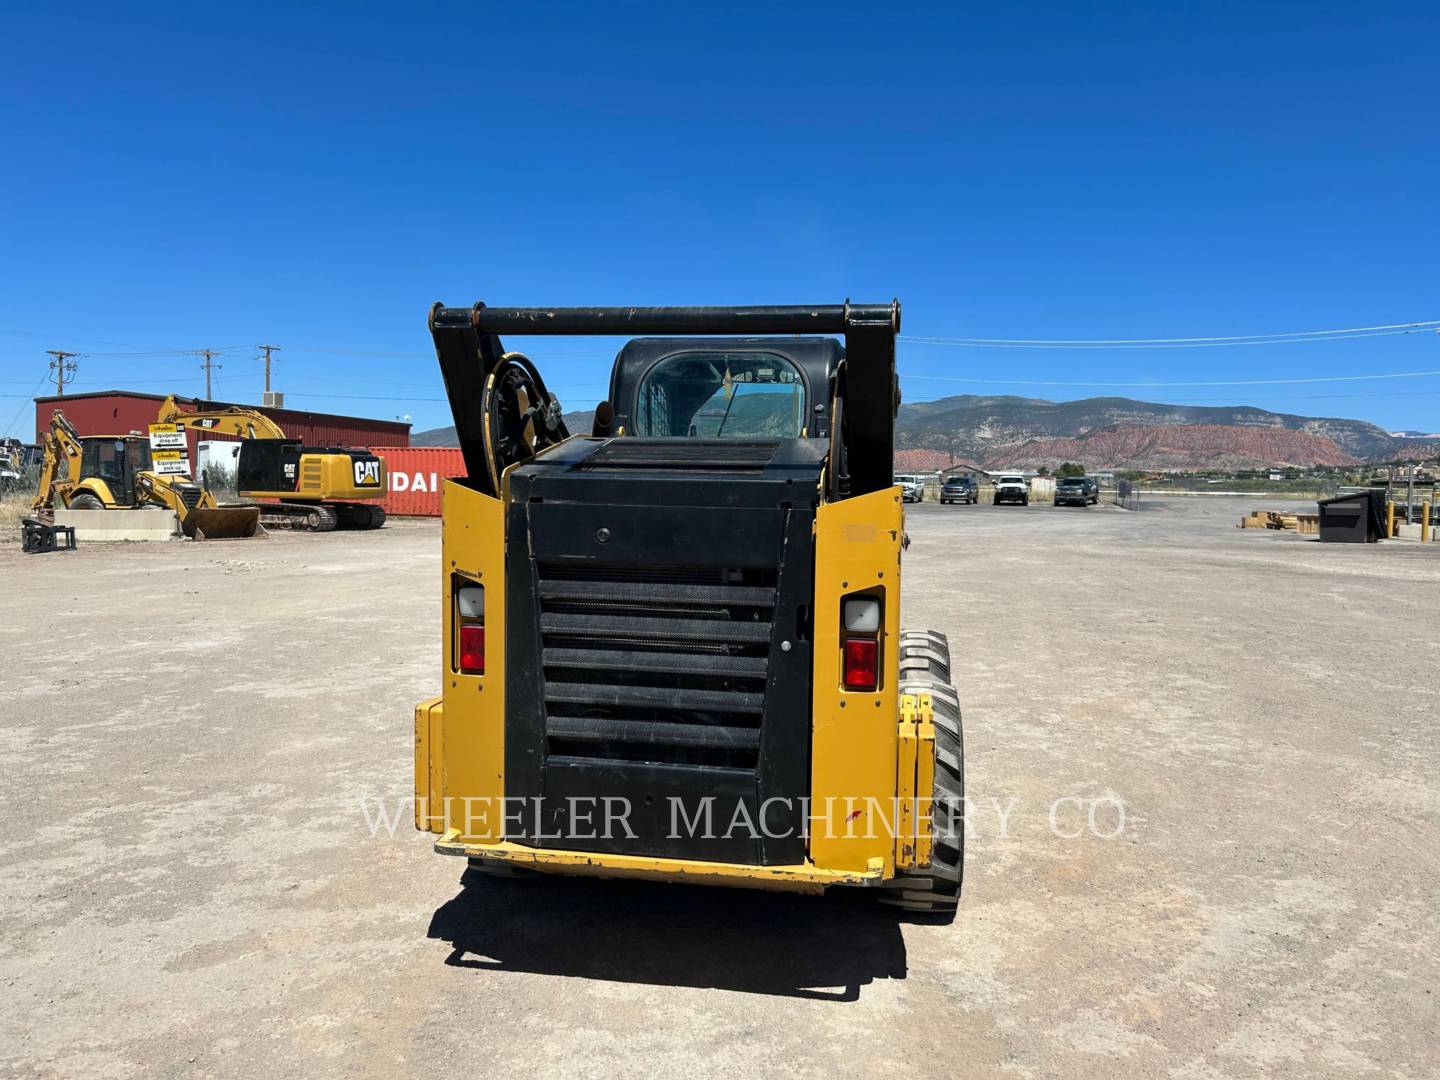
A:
[193, 735]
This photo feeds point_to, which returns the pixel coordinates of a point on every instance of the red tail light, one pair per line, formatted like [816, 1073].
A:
[862, 663]
[472, 649]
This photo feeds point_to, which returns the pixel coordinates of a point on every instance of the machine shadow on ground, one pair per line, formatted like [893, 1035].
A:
[823, 948]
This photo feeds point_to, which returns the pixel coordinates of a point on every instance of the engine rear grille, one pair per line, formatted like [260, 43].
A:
[661, 664]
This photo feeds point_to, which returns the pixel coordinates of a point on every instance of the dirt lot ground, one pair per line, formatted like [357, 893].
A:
[191, 888]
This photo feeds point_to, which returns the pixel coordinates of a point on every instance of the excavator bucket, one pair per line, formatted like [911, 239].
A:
[221, 522]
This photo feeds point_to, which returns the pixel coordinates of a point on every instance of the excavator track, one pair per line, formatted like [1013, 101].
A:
[308, 517]
[321, 517]
[359, 515]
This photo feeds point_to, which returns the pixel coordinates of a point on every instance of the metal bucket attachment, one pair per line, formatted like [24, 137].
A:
[221, 522]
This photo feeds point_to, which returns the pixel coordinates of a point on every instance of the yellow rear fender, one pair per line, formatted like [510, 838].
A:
[93, 486]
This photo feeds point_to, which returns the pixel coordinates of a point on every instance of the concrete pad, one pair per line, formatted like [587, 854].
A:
[103, 526]
[1408, 532]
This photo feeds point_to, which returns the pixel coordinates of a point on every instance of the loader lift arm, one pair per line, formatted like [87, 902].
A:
[471, 355]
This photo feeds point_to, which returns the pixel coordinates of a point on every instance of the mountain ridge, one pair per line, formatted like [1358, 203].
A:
[1101, 432]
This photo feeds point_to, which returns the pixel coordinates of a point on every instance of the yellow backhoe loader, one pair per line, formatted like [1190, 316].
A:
[671, 647]
[107, 472]
[316, 488]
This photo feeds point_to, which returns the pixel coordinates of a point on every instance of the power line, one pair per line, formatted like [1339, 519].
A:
[1142, 385]
[1409, 327]
[980, 344]
[542, 353]
[16, 418]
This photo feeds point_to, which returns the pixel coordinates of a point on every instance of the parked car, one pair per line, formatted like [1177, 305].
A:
[959, 489]
[1012, 489]
[912, 488]
[1077, 491]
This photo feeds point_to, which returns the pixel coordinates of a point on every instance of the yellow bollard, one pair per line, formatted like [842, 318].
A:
[1390, 520]
[1424, 522]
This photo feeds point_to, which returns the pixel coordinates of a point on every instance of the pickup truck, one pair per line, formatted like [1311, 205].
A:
[1077, 491]
[959, 489]
[912, 488]
[1012, 489]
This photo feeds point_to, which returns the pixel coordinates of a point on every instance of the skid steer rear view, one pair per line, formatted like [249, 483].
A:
[672, 646]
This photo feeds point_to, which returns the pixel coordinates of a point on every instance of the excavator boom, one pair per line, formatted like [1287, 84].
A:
[236, 421]
[62, 442]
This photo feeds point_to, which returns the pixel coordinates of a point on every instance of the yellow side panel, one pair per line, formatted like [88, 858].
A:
[925, 781]
[855, 739]
[473, 774]
[429, 777]
[905, 784]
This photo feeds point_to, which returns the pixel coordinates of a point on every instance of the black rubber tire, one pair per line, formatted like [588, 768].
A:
[86, 501]
[934, 891]
[377, 517]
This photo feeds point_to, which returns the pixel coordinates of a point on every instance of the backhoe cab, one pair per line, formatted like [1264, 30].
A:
[672, 646]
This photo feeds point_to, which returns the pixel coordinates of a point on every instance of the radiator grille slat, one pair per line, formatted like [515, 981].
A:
[655, 629]
[660, 662]
[655, 697]
[653, 733]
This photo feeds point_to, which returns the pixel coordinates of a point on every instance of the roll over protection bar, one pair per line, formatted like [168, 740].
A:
[468, 345]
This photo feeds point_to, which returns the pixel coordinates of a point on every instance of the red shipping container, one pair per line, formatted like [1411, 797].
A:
[415, 475]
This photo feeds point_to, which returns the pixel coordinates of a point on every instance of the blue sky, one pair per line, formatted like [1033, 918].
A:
[312, 176]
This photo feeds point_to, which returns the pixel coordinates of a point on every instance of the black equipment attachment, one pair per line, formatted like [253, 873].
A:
[504, 413]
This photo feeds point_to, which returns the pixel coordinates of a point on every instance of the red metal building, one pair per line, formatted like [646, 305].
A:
[121, 412]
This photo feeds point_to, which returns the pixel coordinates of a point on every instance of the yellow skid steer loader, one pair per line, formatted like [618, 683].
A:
[671, 647]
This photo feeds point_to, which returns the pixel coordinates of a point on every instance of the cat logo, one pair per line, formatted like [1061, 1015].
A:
[367, 474]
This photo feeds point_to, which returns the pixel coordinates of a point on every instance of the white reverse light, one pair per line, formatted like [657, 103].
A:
[862, 615]
[471, 599]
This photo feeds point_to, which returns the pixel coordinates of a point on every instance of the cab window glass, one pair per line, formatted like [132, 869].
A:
[721, 396]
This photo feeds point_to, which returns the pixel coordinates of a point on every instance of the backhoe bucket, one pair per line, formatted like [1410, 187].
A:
[221, 522]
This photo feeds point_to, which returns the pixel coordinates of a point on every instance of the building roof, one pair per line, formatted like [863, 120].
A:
[207, 405]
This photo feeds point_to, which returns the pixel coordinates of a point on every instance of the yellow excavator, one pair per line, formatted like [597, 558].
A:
[315, 488]
[107, 472]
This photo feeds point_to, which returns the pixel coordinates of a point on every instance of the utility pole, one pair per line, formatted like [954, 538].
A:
[268, 350]
[208, 353]
[63, 366]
